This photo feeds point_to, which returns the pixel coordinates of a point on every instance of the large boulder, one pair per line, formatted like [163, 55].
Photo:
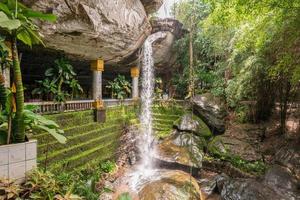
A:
[282, 180]
[248, 189]
[211, 110]
[289, 156]
[92, 29]
[223, 145]
[164, 52]
[194, 124]
[277, 184]
[182, 148]
[171, 185]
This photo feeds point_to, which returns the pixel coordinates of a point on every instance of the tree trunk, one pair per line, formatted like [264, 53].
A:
[283, 107]
[191, 70]
[18, 126]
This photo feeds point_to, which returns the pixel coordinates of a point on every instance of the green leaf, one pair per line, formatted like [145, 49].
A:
[60, 138]
[10, 24]
[5, 9]
[34, 35]
[25, 37]
[40, 16]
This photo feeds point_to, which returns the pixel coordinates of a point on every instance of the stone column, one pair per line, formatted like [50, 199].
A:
[97, 66]
[135, 72]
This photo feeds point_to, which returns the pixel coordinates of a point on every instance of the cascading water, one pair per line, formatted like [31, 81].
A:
[146, 143]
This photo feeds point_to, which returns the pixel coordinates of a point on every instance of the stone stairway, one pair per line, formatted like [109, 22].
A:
[88, 142]
[164, 117]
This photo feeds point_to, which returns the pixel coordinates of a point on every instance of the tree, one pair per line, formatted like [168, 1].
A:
[244, 51]
[16, 21]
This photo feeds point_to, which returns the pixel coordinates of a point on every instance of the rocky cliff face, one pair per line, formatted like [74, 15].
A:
[91, 29]
[164, 54]
[152, 5]
[113, 30]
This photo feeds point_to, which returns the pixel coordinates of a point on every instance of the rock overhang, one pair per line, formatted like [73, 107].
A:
[112, 30]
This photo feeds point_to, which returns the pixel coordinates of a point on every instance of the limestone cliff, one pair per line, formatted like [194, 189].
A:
[89, 29]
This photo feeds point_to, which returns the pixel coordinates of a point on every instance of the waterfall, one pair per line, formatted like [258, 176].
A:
[146, 144]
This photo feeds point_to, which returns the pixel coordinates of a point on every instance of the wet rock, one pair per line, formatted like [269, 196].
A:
[164, 53]
[127, 150]
[193, 124]
[112, 30]
[168, 25]
[171, 185]
[289, 156]
[187, 123]
[211, 110]
[152, 5]
[278, 183]
[281, 180]
[182, 148]
[248, 189]
[132, 157]
[225, 145]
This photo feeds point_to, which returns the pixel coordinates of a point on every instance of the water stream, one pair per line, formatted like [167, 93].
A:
[146, 143]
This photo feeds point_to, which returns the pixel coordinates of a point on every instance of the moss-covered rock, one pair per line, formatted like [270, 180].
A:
[225, 145]
[182, 148]
[192, 123]
[217, 147]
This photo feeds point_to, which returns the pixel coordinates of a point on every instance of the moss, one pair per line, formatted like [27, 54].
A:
[74, 130]
[161, 134]
[218, 150]
[87, 140]
[80, 147]
[86, 136]
[203, 129]
[99, 152]
[159, 116]
[252, 167]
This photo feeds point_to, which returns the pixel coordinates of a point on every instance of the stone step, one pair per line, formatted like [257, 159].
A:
[164, 121]
[160, 116]
[79, 148]
[102, 152]
[75, 139]
[74, 130]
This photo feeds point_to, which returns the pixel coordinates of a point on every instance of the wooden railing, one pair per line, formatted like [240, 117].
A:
[47, 107]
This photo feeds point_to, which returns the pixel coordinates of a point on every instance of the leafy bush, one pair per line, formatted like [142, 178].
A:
[60, 81]
[108, 166]
[9, 190]
[120, 87]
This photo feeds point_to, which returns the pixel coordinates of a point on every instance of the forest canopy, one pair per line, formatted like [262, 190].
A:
[243, 51]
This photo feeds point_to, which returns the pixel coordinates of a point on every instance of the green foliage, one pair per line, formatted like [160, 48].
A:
[17, 19]
[244, 50]
[60, 81]
[124, 196]
[34, 121]
[9, 190]
[84, 181]
[120, 87]
[108, 166]
[43, 185]
[16, 22]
